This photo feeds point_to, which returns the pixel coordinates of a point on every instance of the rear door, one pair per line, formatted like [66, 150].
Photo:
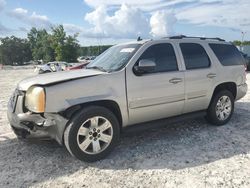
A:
[200, 76]
[231, 63]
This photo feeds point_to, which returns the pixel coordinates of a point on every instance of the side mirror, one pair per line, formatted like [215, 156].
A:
[144, 66]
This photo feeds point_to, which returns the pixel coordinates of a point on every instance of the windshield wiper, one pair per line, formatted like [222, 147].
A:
[98, 68]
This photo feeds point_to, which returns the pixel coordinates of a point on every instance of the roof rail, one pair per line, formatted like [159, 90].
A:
[201, 38]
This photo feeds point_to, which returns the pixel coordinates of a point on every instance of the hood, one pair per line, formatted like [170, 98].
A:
[52, 78]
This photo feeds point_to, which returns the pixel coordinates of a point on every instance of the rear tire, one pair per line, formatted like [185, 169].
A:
[221, 108]
[92, 133]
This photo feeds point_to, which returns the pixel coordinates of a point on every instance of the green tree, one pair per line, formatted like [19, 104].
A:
[70, 49]
[14, 51]
[66, 47]
[58, 38]
[240, 43]
[59, 35]
[246, 43]
[41, 46]
[92, 50]
[237, 43]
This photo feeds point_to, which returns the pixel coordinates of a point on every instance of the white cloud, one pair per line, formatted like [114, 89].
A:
[162, 23]
[97, 3]
[223, 13]
[126, 22]
[129, 22]
[2, 4]
[34, 19]
[71, 28]
[19, 12]
[83, 32]
[145, 5]
[39, 20]
[127, 19]
[230, 14]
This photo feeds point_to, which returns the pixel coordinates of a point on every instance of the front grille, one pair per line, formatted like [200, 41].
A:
[14, 98]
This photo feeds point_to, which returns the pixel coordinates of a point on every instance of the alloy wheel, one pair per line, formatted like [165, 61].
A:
[95, 135]
[223, 108]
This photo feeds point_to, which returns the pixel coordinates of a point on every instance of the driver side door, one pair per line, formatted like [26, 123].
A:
[158, 93]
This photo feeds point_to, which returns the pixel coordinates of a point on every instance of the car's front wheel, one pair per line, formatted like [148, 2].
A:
[221, 108]
[92, 133]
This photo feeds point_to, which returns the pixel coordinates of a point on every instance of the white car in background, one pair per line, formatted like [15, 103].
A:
[85, 59]
[55, 66]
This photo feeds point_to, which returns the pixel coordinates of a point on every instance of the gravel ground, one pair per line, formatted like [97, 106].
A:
[185, 154]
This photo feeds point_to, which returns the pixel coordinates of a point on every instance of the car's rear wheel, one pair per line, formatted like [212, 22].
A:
[92, 133]
[221, 108]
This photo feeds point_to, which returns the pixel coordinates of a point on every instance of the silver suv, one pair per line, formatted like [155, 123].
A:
[130, 84]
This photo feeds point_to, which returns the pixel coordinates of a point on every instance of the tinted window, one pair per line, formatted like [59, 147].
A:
[195, 56]
[164, 57]
[227, 54]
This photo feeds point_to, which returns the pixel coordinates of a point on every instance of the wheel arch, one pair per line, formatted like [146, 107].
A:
[230, 86]
[109, 104]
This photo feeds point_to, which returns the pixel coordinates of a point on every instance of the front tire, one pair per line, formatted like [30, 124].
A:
[221, 108]
[92, 133]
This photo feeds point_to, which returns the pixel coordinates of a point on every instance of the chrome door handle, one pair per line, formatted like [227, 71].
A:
[175, 80]
[211, 75]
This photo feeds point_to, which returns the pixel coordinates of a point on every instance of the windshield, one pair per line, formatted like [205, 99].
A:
[115, 58]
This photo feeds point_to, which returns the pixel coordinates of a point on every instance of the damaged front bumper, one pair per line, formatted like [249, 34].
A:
[50, 125]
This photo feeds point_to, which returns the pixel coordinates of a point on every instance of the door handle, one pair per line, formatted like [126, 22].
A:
[175, 80]
[211, 75]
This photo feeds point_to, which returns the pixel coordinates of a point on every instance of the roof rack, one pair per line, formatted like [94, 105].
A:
[201, 38]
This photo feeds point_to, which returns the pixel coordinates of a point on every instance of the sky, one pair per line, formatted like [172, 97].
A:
[100, 22]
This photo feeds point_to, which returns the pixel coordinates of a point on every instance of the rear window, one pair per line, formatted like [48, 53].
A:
[227, 54]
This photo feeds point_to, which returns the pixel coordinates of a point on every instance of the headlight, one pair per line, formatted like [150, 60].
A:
[35, 99]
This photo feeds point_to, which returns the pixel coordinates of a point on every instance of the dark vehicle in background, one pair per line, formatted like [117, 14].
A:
[248, 63]
[247, 60]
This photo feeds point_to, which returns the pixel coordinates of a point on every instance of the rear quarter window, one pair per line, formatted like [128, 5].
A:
[227, 54]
